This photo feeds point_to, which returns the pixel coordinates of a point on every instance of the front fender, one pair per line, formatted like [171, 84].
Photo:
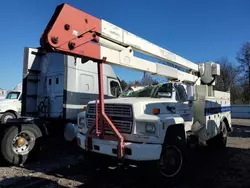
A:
[168, 120]
[8, 107]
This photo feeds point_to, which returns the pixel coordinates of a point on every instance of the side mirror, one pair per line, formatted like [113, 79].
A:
[117, 92]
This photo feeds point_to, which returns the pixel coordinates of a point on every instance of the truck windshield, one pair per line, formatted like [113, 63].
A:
[144, 92]
[12, 95]
[155, 91]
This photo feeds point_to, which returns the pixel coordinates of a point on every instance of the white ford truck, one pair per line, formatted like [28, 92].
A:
[157, 122]
[154, 123]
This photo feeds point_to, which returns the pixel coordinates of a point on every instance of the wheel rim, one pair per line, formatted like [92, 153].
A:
[224, 134]
[7, 117]
[171, 161]
[23, 142]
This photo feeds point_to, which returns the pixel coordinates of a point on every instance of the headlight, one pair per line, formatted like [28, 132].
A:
[150, 128]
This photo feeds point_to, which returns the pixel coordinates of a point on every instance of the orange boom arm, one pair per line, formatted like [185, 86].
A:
[72, 32]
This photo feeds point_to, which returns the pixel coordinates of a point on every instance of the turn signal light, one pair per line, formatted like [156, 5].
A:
[84, 108]
[156, 111]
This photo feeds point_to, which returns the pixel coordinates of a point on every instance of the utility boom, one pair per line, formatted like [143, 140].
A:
[95, 38]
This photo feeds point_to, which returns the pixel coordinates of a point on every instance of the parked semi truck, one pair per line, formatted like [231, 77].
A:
[55, 89]
[155, 123]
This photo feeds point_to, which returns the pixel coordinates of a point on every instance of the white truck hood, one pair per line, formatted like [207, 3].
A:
[8, 104]
[144, 105]
[5, 101]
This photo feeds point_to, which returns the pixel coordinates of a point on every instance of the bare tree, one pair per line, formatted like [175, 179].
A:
[228, 79]
[148, 80]
[123, 84]
[134, 83]
[243, 57]
[236, 92]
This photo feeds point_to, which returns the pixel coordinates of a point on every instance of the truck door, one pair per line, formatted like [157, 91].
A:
[55, 94]
[114, 88]
[56, 106]
[183, 107]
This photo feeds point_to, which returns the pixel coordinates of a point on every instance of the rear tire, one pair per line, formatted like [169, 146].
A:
[18, 155]
[6, 116]
[219, 141]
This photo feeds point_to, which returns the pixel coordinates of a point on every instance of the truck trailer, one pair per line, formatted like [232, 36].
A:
[55, 88]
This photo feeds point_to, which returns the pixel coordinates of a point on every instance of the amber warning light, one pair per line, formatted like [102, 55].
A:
[156, 111]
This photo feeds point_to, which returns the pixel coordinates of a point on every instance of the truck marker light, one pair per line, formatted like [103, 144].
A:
[156, 111]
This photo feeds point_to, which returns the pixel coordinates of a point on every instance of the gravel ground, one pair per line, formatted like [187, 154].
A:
[63, 167]
[57, 154]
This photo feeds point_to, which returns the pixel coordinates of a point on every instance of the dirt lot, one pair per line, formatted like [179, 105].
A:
[63, 167]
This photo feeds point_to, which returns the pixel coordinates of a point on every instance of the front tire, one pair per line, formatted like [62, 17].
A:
[6, 116]
[173, 158]
[171, 161]
[19, 142]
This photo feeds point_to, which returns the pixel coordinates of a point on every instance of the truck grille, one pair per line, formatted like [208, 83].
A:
[113, 110]
[120, 115]
[122, 126]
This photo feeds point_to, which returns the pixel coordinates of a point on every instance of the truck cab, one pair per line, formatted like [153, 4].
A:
[169, 98]
[10, 106]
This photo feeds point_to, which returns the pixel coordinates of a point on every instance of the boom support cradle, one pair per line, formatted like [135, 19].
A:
[103, 118]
